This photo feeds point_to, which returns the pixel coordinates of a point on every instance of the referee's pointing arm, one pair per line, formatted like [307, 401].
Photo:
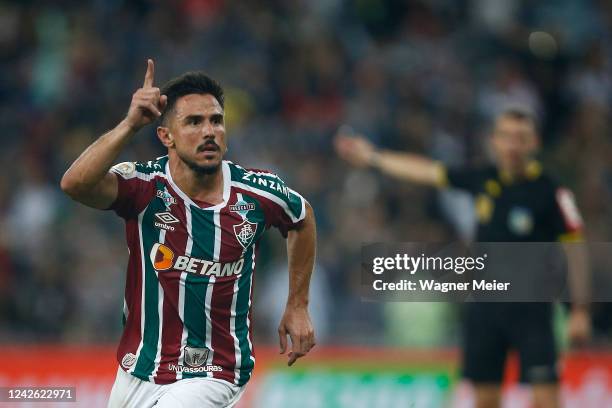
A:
[415, 168]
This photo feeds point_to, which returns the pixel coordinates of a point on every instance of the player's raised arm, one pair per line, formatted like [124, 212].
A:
[301, 244]
[415, 168]
[88, 179]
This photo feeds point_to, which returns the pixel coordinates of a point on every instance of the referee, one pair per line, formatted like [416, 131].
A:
[515, 201]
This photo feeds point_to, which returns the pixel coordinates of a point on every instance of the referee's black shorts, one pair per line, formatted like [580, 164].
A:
[490, 330]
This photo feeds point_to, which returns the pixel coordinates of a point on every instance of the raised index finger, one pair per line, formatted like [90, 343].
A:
[148, 80]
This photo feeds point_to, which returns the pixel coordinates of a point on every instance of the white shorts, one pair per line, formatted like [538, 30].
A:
[129, 391]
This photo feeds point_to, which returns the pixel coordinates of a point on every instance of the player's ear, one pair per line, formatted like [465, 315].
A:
[164, 135]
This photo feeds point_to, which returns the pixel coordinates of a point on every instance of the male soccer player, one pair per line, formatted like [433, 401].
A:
[515, 202]
[193, 222]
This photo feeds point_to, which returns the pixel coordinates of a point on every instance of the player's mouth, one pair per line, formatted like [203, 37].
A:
[209, 149]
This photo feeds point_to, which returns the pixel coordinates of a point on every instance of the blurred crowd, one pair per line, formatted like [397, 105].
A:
[424, 76]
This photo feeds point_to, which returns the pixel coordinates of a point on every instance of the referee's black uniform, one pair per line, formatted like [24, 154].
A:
[530, 209]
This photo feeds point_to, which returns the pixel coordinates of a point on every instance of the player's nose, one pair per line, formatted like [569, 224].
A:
[208, 129]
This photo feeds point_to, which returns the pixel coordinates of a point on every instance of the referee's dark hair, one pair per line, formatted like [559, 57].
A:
[193, 82]
[522, 114]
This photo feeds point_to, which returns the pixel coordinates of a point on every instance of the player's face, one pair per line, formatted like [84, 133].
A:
[514, 141]
[198, 130]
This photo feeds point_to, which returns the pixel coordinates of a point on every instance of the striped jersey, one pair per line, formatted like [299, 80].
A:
[187, 307]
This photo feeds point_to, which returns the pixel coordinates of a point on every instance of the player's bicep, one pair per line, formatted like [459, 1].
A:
[103, 194]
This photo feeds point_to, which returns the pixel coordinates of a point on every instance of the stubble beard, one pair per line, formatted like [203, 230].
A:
[202, 170]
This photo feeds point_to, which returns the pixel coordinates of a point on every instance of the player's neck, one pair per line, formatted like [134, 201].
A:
[198, 186]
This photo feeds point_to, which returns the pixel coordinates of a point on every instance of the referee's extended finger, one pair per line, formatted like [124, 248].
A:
[148, 79]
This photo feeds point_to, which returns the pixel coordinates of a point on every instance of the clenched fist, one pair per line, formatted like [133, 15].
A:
[147, 103]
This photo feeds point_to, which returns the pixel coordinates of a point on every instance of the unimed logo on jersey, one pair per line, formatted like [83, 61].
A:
[163, 259]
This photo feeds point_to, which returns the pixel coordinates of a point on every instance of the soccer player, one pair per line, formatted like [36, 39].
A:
[193, 223]
[515, 202]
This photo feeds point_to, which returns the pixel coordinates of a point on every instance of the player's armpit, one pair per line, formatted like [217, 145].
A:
[100, 196]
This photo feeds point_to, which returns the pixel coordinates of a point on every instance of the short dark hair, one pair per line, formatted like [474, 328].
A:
[193, 82]
[520, 114]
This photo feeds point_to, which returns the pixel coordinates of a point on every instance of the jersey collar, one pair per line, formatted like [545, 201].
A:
[532, 171]
[225, 170]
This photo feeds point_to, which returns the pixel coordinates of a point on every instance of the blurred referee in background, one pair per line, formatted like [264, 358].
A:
[514, 187]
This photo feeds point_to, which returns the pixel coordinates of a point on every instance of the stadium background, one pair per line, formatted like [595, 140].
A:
[423, 76]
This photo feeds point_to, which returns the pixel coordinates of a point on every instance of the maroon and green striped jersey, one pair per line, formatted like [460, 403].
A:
[187, 309]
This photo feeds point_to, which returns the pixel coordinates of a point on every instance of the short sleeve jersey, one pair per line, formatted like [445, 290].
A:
[187, 309]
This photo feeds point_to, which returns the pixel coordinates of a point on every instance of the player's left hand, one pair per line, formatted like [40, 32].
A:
[296, 323]
[579, 326]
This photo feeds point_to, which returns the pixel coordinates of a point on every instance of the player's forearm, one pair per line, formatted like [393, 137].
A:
[301, 250]
[94, 163]
[409, 167]
[578, 274]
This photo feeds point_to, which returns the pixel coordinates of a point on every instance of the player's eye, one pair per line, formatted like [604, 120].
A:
[194, 120]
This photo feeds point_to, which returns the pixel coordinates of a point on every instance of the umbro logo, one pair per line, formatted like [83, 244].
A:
[165, 218]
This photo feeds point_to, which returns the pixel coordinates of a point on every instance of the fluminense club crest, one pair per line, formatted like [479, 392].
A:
[245, 232]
